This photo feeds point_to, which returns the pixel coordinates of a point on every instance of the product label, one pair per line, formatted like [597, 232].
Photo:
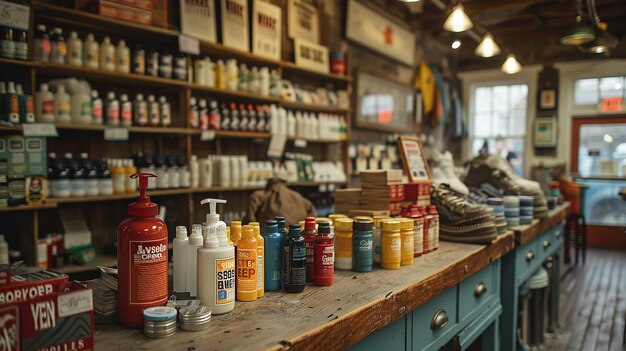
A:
[418, 241]
[246, 270]
[214, 121]
[76, 55]
[260, 275]
[309, 259]
[64, 108]
[43, 46]
[225, 281]
[343, 246]
[113, 113]
[298, 266]
[391, 248]
[324, 255]
[193, 118]
[47, 107]
[408, 244]
[85, 109]
[148, 271]
[97, 110]
[154, 114]
[127, 114]
[426, 237]
[60, 48]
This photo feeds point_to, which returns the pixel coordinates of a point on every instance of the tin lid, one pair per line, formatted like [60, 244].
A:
[391, 224]
[363, 218]
[159, 313]
[363, 226]
[323, 219]
[336, 215]
[198, 315]
[343, 223]
[405, 223]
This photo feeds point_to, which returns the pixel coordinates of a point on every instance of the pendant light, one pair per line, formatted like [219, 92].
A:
[511, 65]
[487, 47]
[458, 21]
[580, 33]
[604, 40]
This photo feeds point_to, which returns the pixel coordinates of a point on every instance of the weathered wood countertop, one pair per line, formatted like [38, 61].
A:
[529, 232]
[323, 318]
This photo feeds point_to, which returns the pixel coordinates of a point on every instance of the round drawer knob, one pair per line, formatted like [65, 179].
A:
[546, 243]
[557, 234]
[480, 289]
[530, 256]
[439, 320]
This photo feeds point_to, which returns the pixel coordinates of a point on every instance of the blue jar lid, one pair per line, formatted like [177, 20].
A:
[159, 313]
[336, 55]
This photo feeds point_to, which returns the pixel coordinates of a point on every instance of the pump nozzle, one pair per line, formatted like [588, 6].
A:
[212, 217]
[143, 207]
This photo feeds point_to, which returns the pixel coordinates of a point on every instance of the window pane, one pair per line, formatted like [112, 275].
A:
[500, 111]
[586, 91]
[611, 87]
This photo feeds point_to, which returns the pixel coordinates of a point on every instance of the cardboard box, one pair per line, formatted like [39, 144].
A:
[16, 155]
[61, 320]
[36, 160]
[23, 287]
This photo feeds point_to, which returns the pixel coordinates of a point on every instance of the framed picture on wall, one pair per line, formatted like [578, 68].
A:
[198, 19]
[266, 29]
[545, 132]
[235, 24]
[547, 99]
[303, 21]
[413, 158]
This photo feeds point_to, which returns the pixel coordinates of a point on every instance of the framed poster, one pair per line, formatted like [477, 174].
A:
[547, 99]
[413, 158]
[368, 27]
[266, 29]
[384, 104]
[545, 132]
[303, 21]
[310, 55]
[197, 18]
[235, 24]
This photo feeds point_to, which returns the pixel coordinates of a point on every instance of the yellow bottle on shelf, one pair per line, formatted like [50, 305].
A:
[247, 266]
[343, 243]
[130, 169]
[235, 232]
[408, 236]
[391, 245]
[118, 173]
[260, 243]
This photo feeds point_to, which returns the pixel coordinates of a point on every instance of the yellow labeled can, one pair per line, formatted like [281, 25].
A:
[391, 245]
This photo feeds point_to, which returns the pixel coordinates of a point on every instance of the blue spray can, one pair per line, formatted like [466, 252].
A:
[273, 256]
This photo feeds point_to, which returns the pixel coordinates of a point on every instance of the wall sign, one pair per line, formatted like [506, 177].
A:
[310, 55]
[413, 158]
[611, 104]
[14, 15]
[384, 104]
[266, 29]
[197, 18]
[547, 99]
[235, 24]
[371, 29]
[303, 21]
[545, 132]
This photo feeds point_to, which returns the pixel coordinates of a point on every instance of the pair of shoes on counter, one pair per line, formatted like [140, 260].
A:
[492, 174]
[442, 170]
[461, 220]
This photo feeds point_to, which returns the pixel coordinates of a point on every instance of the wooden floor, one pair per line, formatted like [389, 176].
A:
[593, 304]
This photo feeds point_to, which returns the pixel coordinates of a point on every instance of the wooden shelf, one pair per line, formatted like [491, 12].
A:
[293, 105]
[198, 89]
[320, 141]
[44, 206]
[133, 129]
[227, 189]
[292, 69]
[100, 260]
[151, 193]
[6, 61]
[221, 50]
[10, 129]
[314, 183]
[237, 134]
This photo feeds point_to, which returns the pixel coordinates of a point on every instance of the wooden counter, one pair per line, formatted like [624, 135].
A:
[324, 318]
[529, 232]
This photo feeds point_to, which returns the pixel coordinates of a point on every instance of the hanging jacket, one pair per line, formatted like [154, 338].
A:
[278, 200]
[425, 82]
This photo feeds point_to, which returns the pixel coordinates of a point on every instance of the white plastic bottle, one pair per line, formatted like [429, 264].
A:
[234, 171]
[199, 72]
[195, 242]
[166, 112]
[126, 111]
[140, 111]
[181, 251]
[4, 251]
[291, 124]
[113, 110]
[231, 74]
[91, 52]
[264, 81]
[154, 112]
[122, 57]
[81, 106]
[216, 264]
[210, 72]
[44, 100]
[107, 55]
[62, 106]
[74, 50]
[194, 172]
[97, 109]
[13, 101]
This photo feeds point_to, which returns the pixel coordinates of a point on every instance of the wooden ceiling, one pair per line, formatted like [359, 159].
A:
[530, 29]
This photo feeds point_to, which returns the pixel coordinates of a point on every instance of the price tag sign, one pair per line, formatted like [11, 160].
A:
[612, 104]
[277, 145]
[301, 143]
[189, 44]
[39, 130]
[207, 135]
[116, 134]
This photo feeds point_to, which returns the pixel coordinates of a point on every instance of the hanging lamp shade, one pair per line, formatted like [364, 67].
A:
[487, 47]
[603, 42]
[579, 34]
[458, 21]
[511, 65]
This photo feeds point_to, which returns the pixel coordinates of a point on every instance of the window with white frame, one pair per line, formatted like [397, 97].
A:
[499, 121]
[590, 91]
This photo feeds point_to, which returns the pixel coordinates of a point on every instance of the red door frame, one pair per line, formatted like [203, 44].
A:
[597, 235]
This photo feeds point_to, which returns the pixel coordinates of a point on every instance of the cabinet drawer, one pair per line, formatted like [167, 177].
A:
[476, 291]
[434, 320]
[557, 234]
[478, 326]
[390, 338]
[546, 244]
[527, 259]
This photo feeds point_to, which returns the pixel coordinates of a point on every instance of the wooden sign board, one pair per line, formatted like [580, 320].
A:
[311, 56]
[266, 29]
[413, 158]
[198, 18]
[303, 21]
[235, 24]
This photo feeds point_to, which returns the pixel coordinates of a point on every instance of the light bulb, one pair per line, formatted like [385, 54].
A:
[511, 65]
[456, 44]
[458, 21]
[487, 47]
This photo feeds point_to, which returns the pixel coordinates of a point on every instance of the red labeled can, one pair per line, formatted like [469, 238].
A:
[309, 238]
[324, 256]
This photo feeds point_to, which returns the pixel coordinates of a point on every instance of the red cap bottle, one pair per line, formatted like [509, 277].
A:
[141, 258]
[309, 238]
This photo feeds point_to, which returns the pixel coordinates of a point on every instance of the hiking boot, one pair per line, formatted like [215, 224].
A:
[461, 220]
[442, 171]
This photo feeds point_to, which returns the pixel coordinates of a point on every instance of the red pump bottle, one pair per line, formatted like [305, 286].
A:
[141, 258]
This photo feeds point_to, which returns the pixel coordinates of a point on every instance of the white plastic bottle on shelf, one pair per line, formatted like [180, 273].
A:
[194, 118]
[58, 52]
[300, 124]
[194, 172]
[244, 78]
[126, 111]
[234, 171]
[314, 126]
[195, 242]
[185, 176]
[81, 106]
[243, 170]
[122, 57]
[282, 122]
[174, 173]
[97, 109]
[62, 106]
[181, 253]
[44, 99]
[107, 55]
[231, 74]
[154, 112]
[291, 124]
[210, 72]
[264, 79]
[203, 114]
[91, 56]
[225, 171]
[140, 111]
[273, 119]
[275, 84]
[163, 178]
[75, 50]
[200, 74]
[166, 112]
[254, 81]
[112, 110]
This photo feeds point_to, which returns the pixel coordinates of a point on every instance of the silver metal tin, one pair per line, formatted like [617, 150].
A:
[194, 318]
[159, 329]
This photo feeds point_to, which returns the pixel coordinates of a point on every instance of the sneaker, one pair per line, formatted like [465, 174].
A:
[442, 171]
[461, 220]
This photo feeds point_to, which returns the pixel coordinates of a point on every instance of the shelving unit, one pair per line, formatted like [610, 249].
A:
[180, 138]
[102, 260]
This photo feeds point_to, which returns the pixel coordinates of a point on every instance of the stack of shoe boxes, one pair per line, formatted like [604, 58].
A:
[497, 204]
[511, 211]
[347, 200]
[525, 209]
[382, 190]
